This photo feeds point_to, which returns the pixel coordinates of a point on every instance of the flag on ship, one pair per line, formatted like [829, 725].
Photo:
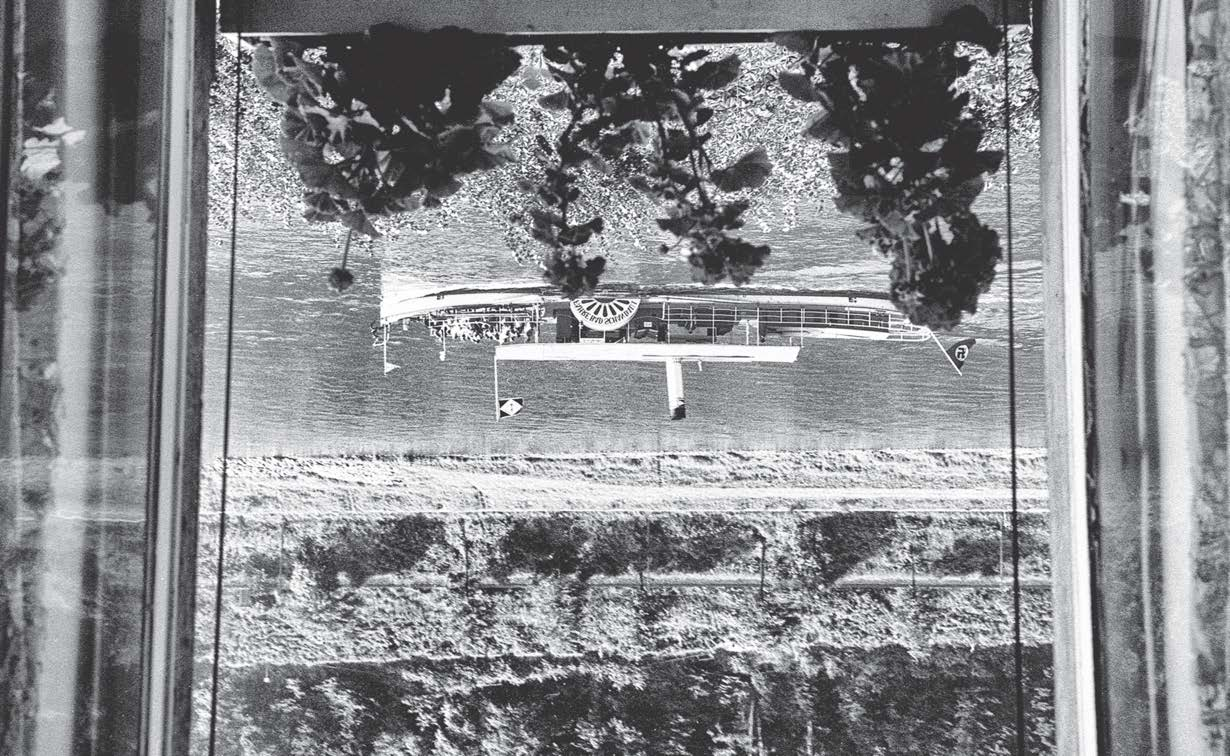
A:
[959, 352]
[509, 407]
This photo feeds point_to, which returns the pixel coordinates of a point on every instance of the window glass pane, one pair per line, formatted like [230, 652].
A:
[79, 307]
[816, 559]
[1155, 203]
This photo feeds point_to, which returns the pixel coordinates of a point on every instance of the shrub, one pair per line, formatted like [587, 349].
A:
[835, 544]
[366, 549]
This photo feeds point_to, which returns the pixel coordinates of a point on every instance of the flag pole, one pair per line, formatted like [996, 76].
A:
[947, 356]
[388, 366]
[495, 377]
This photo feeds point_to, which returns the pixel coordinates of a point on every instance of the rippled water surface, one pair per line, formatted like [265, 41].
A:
[306, 379]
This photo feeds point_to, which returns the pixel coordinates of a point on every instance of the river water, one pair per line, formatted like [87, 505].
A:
[306, 379]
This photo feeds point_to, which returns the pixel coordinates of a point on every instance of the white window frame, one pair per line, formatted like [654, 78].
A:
[175, 423]
[1062, 39]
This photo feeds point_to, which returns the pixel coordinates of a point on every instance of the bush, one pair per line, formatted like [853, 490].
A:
[366, 549]
[970, 555]
[836, 544]
[545, 546]
[556, 546]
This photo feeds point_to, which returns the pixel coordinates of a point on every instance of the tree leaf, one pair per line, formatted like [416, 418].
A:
[486, 132]
[714, 74]
[988, 161]
[573, 154]
[894, 223]
[677, 226]
[794, 41]
[546, 218]
[308, 76]
[733, 258]
[322, 202]
[599, 164]
[748, 172]
[295, 128]
[501, 113]
[335, 127]
[611, 144]
[693, 56]
[358, 220]
[314, 171]
[943, 229]
[575, 235]
[556, 54]
[496, 155]
[572, 273]
[555, 101]
[683, 178]
[265, 69]
[443, 186]
[641, 132]
[799, 86]
[822, 126]
[730, 216]
[534, 77]
[677, 145]
[642, 185]
[969, 24]
[320, 207]
[851, 204]
[963, 194]
[411, 201]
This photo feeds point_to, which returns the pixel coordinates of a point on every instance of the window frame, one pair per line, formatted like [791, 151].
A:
[175, 428]
[177, 381]
[1062, 37]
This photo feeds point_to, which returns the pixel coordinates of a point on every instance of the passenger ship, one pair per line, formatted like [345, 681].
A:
[671, 325]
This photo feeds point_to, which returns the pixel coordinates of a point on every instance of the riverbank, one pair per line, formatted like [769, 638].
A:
[350, 558]
[839, 480]
[368, 589]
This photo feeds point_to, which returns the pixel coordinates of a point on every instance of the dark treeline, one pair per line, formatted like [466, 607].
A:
[813, 549]
[554, 546]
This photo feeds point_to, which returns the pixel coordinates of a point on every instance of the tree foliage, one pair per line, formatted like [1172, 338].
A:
[40, 191]
[747, 112]
[367, 144]
[833, 545]
[649, 100]
[388, 123]
[910, 164]
[569, 545]
[364, 549]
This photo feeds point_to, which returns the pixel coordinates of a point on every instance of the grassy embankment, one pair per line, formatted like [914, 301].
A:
[347, 558]
[479, 579]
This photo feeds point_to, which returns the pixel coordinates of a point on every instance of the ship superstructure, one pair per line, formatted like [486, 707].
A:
[672, 325]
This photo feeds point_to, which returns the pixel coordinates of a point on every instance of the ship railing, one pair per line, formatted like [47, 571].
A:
[717, 318]
[534, 315]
